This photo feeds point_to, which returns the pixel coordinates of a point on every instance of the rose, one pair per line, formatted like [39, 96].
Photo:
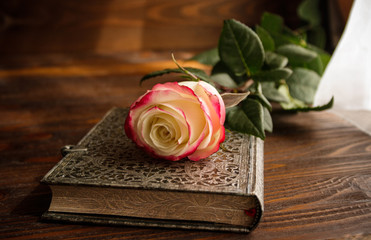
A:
[178, 120]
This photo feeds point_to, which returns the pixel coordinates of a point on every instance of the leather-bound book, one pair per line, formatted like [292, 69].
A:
[107, 179]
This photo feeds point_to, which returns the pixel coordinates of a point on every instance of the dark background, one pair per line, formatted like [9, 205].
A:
[116, 26]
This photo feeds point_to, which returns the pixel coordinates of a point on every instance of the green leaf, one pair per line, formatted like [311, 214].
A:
[268, 123]
[296, 54]
[225, 77]
[287, 37]
[318, 108]
[281, 34]
[315, 65]
[274, 60]
[325, 59]
[224, 80]
[210, 57]
[266, 39]
[317, 36]
[303, 84]
[294, 37]
[198, 72]
[248, 117]
[240, 48]
[271, 92]
[292, 103]
[316, 49]
[309, 11]
[295, 105]
[272, 22]
[160, 73]
[262, 99]
[324, 56]
[258, 95]
[272, 75]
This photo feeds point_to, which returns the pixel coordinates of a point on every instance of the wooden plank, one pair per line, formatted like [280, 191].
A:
[53, 26]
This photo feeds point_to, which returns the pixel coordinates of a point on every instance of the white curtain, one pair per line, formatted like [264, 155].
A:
[348, 75]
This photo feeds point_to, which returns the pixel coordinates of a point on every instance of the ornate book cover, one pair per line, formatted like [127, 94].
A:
[107, 179]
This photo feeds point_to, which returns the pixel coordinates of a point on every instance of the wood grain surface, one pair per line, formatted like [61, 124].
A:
[110, 26]
[317, 166]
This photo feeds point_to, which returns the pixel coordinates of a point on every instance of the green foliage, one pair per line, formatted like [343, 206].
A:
[274, 60]
[222, 68]
[248, 118]
[271, 92]
[272, 23]
[210, 57]
[303, 84]
[272, 75]
[296, 54]
[310, 13]
[240, 48]
[266, 39]
[308, 10]
[268, 123]
[280, 63]
[200, 74]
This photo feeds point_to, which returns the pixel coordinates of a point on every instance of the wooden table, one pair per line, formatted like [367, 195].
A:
[317, 166]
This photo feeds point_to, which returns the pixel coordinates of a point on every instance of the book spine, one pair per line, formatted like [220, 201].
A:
[256, 178]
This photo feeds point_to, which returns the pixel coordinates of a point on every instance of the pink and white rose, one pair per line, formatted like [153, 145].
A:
[178, 120]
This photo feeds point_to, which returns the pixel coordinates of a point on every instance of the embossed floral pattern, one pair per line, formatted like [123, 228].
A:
[113, 160]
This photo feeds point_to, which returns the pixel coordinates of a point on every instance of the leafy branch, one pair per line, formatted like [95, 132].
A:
[272, 64]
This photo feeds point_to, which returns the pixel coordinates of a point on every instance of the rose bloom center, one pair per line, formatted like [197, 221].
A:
[162, 132]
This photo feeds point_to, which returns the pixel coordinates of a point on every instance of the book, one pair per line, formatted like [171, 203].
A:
[107, 179]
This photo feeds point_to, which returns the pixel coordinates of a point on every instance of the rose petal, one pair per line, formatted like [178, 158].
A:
[218, 138]
[174, 120]
[210, 105]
